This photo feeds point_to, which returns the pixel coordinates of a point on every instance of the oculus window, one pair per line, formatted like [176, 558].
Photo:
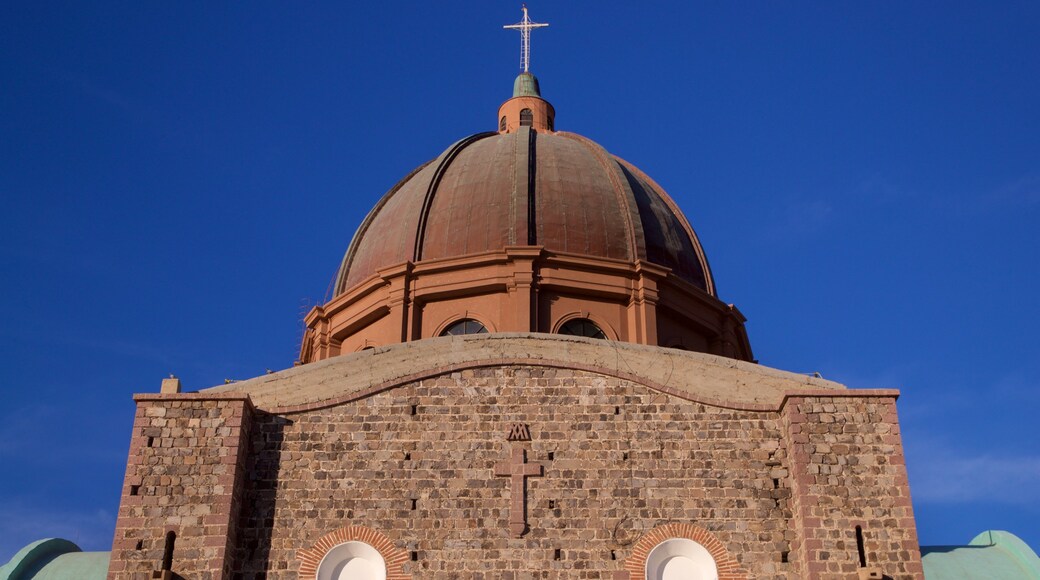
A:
[352, 561]
[680, 559]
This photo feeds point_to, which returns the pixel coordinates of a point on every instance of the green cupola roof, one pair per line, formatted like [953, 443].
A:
[526, 85]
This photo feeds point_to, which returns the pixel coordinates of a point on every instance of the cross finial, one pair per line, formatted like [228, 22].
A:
[525, 27]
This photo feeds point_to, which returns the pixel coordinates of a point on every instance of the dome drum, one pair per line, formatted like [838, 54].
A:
[526, 112]
[525, 289]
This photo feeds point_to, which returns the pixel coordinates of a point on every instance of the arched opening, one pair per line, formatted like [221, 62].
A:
[582, 327]
[680, 559]
[526, 118]
[502, 123]
[464, 326]
[352, 561]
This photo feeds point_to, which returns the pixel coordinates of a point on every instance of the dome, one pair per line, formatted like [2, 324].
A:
[526, 229]
[557, 190]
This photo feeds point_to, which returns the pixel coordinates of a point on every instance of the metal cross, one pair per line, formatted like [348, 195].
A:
[517, 470]
[525, 27]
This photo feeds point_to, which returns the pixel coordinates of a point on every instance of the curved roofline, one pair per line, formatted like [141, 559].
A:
[998, 553]
[443, 161]
[612, 165]
[359, 233]
[446, 159]
[704, 378]
[56, 559]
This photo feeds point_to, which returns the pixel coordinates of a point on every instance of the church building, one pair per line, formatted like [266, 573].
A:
[525, 371]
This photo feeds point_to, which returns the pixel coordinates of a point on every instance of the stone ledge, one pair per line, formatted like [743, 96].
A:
[699, 377]
[209, 395]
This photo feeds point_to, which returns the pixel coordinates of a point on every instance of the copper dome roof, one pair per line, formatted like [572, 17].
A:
[557, 190]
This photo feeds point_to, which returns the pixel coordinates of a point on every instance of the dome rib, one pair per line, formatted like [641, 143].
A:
[524, 166]
[558, 190]
[626, 199]
[344, 278]
[446, 159]
[348, 257]
[702, 257]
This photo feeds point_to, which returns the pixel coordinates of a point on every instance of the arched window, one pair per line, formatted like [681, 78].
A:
[353, 561]
[464, 326]
[502, 124]
[526, 118]
[680, 558]
[582, 327]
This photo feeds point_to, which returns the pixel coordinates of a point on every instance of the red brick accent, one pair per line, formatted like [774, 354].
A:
[635, 565]
[394, 556]
[847, 469]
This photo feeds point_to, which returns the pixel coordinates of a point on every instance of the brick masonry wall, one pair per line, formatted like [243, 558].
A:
[184, 474]
[846, 458]
[417, 462]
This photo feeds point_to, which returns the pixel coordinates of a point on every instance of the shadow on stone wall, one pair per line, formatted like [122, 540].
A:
[256, 521]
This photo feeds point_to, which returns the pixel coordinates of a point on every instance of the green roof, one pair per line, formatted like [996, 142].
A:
[526, 85]
[992, 555]
[55, 559]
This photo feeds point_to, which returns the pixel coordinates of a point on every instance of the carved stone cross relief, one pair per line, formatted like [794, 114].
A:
[517, 470]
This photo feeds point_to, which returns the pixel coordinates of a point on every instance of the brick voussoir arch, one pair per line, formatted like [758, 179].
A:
[395, 557]
[728, 567]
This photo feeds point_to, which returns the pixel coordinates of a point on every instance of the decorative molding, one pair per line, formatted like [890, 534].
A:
[603, 282]
[395, 557]
[635, 565]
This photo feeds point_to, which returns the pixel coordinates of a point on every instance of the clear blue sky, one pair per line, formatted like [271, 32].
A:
[180, 180]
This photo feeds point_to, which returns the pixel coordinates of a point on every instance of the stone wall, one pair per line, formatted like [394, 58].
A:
[774, 492]
[183, 475]
[417, 463]
[846, 458]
